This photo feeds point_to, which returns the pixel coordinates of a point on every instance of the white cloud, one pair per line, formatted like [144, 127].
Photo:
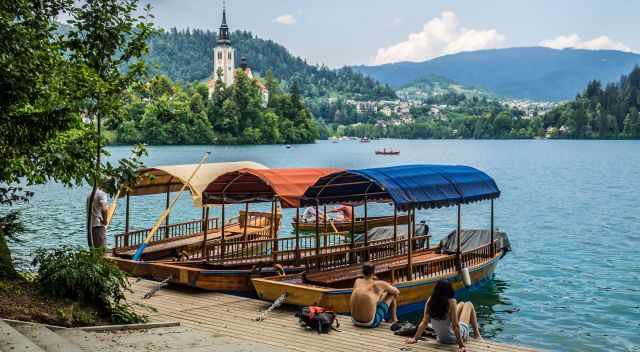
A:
[574, 41]
[286, 19]
[440, 36]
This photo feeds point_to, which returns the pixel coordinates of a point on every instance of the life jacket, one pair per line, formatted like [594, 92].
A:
[318, 319]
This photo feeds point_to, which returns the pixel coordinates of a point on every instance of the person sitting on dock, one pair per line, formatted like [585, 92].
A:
[372, 300]
[309, 215]
[449, 319]
[344, 212]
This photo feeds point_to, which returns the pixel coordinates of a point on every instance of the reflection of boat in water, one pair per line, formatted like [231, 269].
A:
[467, 258]
[386, 151]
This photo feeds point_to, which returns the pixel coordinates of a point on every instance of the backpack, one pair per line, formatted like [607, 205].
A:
[317, 319]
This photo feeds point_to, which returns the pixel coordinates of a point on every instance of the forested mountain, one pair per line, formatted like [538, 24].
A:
[534, 73]
[187, 55]
[601, 111]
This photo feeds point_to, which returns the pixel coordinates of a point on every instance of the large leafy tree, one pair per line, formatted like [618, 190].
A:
[51, 83]
[107, 41]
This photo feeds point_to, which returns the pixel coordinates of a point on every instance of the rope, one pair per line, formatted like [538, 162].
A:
[153, 291]
[276, 304]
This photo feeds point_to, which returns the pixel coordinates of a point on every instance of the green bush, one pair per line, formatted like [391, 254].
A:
[85, 276]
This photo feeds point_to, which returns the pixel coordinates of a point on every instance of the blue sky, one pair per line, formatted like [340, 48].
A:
[350, 32]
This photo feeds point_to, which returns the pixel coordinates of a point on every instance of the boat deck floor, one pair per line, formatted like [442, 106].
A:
[235, 316]
[354, 271]
[193, 240]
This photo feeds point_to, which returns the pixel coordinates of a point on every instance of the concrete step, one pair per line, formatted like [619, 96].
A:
[47, 339]
[11, 340]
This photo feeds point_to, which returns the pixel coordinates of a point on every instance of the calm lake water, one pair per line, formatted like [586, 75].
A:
[571, 210]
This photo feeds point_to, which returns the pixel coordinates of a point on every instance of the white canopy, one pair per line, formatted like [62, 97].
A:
[160, 179]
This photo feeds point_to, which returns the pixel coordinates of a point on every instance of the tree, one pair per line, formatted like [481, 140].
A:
[632, 124]
[49, 82]
[106, 35]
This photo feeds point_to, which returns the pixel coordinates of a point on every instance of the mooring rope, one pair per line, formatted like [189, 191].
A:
[276, 304]
[153, 290]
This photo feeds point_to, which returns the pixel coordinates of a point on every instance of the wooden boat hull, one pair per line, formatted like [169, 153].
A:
[413, 294]
[345, 226]
[199, 275]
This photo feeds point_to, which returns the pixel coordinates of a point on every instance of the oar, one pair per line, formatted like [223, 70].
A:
[166, 212]
[112, 208]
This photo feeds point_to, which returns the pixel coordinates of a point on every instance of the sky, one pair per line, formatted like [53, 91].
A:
[372, 32]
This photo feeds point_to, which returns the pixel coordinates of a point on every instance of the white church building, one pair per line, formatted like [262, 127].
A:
[224, 61]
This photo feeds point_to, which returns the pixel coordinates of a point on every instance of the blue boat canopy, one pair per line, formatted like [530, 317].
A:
[408, 186]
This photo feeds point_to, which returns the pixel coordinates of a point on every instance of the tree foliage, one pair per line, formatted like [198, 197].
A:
[166, 113]
[609, 112]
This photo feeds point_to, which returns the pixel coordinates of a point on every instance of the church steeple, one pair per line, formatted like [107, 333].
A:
[223, 34]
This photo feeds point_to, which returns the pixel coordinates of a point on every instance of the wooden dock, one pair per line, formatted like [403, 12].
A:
[235, 316]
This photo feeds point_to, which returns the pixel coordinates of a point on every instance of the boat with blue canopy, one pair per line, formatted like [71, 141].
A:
[466, 257]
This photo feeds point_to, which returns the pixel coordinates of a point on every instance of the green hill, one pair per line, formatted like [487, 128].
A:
[434, 85]
[187, 55]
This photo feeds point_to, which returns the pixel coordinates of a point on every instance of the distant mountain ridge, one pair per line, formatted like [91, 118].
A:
[534, 73]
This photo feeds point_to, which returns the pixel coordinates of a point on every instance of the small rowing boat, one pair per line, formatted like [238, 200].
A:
[386, 151]
[356, 226]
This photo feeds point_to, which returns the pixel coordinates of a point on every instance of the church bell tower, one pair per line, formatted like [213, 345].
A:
[223, 53]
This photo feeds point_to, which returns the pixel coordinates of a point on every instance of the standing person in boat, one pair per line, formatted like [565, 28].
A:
[450, 320]
[100, 208]
[372, 300]
[344, 212]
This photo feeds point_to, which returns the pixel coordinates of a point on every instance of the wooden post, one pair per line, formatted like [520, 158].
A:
[222, 249]
[366, 230]
[166, 219]
[205, 230]
[325, 221]
[493, 249]
[409, 249]
[126, 223]
[274, 235]
[317, 238]
[246, 221]
[458, 229]
[352, 245]
[297, 237]
[395, 228]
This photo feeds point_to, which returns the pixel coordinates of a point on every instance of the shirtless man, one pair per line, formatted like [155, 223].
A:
[344, 212]
[372, 299]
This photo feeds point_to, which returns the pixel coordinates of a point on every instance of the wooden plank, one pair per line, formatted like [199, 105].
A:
[235, 316]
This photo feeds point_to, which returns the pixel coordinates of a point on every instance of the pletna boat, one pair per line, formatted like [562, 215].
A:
[357, 225]
[386, 151]
[468, 257]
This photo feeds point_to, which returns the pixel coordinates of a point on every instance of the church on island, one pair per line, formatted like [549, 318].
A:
[224, 62]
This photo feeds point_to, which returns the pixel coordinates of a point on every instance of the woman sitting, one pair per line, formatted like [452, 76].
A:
[449, 319]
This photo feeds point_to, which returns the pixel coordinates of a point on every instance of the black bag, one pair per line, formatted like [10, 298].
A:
[403, 328]
[317, 319]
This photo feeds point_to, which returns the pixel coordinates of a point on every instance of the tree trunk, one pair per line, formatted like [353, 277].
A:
[7, 270]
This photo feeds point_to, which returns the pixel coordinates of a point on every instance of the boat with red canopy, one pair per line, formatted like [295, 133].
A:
[466, 258]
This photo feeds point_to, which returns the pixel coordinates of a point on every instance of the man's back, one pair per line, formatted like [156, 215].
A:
[364, 298]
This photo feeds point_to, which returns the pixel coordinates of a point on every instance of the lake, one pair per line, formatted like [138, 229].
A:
[570, 208]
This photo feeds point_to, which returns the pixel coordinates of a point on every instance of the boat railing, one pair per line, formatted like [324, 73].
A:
[441, 266]
[375, 250]
[128, 240]
[285, 250]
